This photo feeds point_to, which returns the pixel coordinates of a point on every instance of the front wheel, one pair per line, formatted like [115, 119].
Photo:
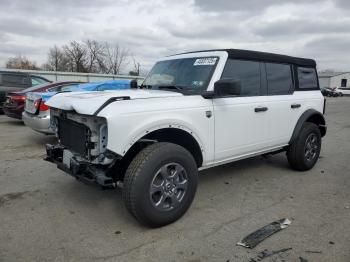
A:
[304, 152]
[160, 184]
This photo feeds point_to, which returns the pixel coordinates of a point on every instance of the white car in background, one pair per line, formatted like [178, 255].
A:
[344, 90]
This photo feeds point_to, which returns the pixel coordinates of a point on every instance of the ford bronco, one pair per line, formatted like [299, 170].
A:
[193, 111]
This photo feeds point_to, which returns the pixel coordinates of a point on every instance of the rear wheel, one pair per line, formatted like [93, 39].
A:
[304, 152]
[160, 184]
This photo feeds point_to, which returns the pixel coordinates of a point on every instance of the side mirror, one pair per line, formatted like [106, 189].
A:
[224, 87]
[227, 87]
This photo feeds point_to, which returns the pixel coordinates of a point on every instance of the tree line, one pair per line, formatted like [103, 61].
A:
[89, 56]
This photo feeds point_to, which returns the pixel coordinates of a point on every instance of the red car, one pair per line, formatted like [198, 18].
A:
[14, 105]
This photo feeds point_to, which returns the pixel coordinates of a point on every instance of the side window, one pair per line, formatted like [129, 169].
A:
[247, 72]
[279, 79]
[307, 78]
[14, 80]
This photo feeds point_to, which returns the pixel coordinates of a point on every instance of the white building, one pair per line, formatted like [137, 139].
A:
[333, 79]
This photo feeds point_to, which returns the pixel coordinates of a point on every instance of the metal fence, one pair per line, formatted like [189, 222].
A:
[72, 76]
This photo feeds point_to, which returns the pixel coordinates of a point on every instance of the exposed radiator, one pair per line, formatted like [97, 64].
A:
[73, 136]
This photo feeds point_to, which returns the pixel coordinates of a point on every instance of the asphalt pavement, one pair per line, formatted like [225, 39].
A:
[46, 215]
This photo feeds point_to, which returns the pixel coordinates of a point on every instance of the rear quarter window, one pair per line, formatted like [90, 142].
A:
[307, 78]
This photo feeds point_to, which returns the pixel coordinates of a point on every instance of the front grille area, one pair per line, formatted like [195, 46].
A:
[73, 135]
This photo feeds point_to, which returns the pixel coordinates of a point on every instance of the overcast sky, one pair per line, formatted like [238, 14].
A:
[151, 29]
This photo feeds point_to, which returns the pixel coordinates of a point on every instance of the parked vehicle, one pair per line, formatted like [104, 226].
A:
[337, 91]
[37, 113]
[17, 81]
[326, 92]
[193, 111]
[14, 105]
[344, 90]
[331, 92]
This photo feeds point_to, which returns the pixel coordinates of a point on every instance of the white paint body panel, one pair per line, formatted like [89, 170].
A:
[88, 102]
[128, 121]
[239, 130]
[283, 119]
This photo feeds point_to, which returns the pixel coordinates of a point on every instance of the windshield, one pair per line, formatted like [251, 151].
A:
[187, 75]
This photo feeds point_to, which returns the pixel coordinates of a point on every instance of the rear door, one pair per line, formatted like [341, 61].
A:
[241, 123]
[284, 106]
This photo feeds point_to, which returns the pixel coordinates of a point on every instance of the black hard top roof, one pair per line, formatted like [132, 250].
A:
[263, 56]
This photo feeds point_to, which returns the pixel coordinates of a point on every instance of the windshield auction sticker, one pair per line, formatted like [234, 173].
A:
[205, 61]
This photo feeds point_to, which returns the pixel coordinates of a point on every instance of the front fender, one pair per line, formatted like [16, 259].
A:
[130, 133]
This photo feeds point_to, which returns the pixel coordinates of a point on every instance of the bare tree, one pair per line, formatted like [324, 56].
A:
[57, 60]
[95, 55]
[136, 68]
[21, 62]
[89, 56]
[115, 58]
[76, 54]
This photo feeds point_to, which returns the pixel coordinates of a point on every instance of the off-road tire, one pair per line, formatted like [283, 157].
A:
[296, 152]
[140, 176]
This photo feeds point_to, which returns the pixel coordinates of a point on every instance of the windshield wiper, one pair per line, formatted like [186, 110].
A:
[171, 87]
[145, 86]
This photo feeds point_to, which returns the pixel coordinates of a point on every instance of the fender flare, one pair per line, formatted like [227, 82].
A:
[303, 118]
[148, 130]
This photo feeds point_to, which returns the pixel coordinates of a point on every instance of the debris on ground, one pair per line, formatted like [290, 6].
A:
[331, 242]
[313, 251]
[266, 253]
[303, 259]
[117, 232]
[261, 234]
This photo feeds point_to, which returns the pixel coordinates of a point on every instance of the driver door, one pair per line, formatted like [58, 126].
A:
[242, 122]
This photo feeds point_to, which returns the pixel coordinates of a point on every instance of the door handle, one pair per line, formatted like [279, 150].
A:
[260, 109]
[293, 106]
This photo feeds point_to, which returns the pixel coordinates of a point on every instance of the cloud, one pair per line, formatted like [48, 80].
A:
[342, 3]
[247, 5]
[292, 27]
[332, 51]
[151, 29]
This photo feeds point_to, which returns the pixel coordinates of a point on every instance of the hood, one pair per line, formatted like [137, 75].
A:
[88, 102]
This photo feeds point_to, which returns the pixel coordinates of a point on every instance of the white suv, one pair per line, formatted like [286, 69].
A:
[193, 111]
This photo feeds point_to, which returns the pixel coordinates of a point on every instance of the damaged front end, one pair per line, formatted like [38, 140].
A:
[82, 148]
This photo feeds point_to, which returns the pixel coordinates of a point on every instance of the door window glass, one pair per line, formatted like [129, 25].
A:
[279, 79]
[247, 73]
